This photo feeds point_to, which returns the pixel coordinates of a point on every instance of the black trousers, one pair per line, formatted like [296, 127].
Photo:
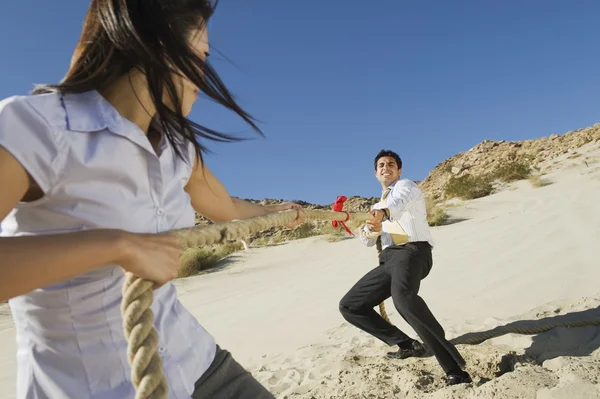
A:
[399, 274]
[227, 379]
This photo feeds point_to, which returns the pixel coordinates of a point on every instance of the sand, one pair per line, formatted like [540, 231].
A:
[524, 253]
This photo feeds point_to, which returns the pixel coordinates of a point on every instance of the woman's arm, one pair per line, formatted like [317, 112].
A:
[210, 198]
[32, 262]
[27, 263]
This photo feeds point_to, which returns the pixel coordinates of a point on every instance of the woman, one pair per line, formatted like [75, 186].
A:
[91, 171]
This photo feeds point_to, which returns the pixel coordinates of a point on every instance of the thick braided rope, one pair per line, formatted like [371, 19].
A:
[382, 311]
[146, 365]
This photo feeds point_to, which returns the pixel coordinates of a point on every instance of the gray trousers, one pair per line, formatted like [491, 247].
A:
[227, 379]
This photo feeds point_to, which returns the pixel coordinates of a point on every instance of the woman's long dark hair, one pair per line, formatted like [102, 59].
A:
[150, 35]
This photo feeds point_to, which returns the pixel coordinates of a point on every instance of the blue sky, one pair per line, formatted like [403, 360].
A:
[334, 81]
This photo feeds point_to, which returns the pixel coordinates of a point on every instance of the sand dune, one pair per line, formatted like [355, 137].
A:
[524, 253]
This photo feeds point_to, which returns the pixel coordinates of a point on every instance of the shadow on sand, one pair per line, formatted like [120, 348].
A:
[452, 220]
[223, 264]
[555, 339]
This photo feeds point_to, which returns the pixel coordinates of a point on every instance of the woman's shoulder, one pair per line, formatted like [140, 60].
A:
[28, 130]
[19, 109]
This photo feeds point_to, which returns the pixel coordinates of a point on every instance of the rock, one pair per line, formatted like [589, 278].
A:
[487, 155]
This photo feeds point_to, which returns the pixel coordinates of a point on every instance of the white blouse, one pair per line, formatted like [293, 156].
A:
[97, 170]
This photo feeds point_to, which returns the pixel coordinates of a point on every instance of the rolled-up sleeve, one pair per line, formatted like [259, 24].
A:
[30, 139]
[400, 196]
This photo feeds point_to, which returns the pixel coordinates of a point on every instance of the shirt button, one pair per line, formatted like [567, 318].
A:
[160, 212]
[161, 349]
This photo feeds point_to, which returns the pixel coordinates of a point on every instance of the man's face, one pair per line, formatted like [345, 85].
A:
[387, 171]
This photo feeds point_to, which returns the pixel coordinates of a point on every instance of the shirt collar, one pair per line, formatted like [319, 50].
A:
[390, 186]
[90, 112]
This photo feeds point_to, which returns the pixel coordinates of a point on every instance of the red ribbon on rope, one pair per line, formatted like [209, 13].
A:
[338, 206]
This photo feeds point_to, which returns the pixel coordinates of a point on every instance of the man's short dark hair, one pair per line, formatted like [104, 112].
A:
[388, 153]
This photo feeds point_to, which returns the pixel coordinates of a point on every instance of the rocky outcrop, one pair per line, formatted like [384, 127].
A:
[487, 156]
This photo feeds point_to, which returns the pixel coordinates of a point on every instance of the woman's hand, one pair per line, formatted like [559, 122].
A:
[154, 257]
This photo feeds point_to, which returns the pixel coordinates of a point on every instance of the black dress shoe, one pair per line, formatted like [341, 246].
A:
[414, 350]
[458, 378]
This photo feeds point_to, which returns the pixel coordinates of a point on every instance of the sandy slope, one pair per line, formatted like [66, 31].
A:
[522, 254]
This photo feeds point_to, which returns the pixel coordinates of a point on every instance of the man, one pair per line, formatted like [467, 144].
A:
[400, 222]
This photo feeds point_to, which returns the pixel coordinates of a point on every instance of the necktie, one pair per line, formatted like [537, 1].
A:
[394, 229]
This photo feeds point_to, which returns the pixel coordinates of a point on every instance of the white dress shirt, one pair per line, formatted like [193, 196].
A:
[97, 170]
[406, 203]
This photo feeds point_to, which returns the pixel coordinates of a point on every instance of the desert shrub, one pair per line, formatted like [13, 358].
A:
[513, 171]
[468, 187]
[538, 181]
[436, 215]
[261, 242]
[195, 260]
[327, 228]
[334, 234]
[304, 230]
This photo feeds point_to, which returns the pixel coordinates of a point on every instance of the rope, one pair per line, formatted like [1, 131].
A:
[146, 365]
[382, 311]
